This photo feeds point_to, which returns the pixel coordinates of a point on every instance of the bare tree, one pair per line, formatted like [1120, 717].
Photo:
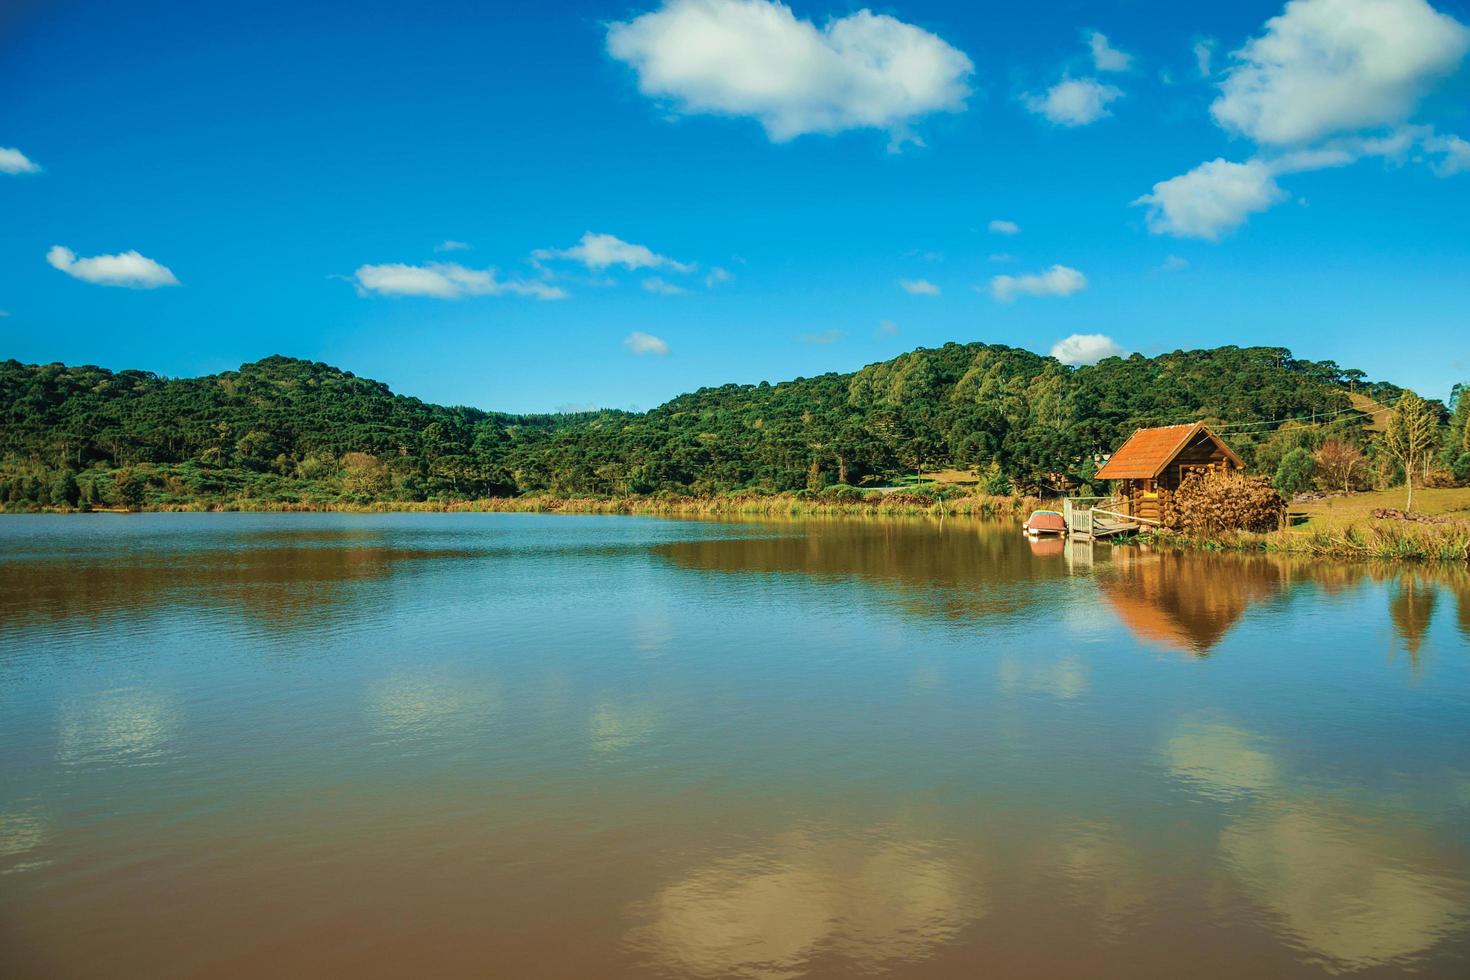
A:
[1410, 435]
[1337, 459]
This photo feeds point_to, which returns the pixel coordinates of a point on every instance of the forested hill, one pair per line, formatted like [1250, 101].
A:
[287, 429]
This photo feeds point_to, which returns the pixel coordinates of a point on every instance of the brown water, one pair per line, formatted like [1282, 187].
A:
[514, 745]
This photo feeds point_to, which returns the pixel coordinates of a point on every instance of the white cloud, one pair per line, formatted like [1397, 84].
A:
[445, 280]
[12, 161]
[1085, 348]
[823, 338]
[1454, 154]
[1204, 53]
[1211, 199]
[1330, 66]
[716, 276]
[919, 287]
[643, 344]
[127, 269]
[599, 251]
[1059, 280]
[1074, 101]
[1174, 264]
[1000, 227]
[1106, 57]
[450, 245]
[663, 287]
[887, 328]
[756, 58]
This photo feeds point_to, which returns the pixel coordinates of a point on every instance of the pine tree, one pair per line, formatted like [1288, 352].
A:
[1410, 435]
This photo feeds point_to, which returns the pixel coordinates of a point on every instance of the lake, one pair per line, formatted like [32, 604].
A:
[239, 745]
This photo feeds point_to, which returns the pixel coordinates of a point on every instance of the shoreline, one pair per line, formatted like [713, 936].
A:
[1372, 540]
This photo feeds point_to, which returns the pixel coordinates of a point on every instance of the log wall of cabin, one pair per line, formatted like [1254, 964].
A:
[1146, 498]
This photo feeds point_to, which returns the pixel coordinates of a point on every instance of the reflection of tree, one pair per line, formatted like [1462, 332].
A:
[767, 912]
[280, 585]
[958, 569]
[1411, 607]
[1186, 601]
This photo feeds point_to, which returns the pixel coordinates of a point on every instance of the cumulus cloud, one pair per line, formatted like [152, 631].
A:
[599, 251]
[12, 161]
[450, 245]
[643, 344]
[1059, 280]
[445, 280]
[1000, 227]
[1174, 264]
[128, 269]
[1453, 153]
[919, 287]
[1105, 57]
[823, 338]
[887, 328]
[1211, 199]
[756, 58]
[1204, 54]
[716, 276]
[1085, 348]
[663, 287]
[1332, 66]
[1074, 101]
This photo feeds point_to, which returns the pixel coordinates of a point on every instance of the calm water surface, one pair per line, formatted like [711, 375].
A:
[516, 745]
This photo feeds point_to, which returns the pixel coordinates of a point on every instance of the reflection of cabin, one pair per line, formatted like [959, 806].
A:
[1151, 464]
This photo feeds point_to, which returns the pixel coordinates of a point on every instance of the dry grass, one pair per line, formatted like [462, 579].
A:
[754, 505]
[1357, 509]
[1377, 420]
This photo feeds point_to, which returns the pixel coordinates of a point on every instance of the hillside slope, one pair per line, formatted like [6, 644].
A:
[283, 428]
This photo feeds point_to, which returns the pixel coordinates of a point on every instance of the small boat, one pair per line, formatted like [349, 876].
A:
[1045, 522]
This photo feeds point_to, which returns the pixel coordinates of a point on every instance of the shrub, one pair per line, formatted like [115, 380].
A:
[1440, 478]
[1461, 468]
[1216, 502]
[1294, 473]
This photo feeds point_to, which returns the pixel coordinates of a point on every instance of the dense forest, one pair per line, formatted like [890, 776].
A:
[287, 430]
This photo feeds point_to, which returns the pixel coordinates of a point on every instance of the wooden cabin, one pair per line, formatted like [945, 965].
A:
[1153, 462]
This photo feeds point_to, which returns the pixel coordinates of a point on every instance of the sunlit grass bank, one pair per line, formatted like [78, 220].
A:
[843, 501]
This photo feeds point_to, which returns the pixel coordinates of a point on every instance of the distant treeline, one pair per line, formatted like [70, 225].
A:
[288, 430]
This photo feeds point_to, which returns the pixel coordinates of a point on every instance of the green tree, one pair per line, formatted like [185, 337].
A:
[1294, 473]
[64, 489]
[128, 488]
[1409, 436]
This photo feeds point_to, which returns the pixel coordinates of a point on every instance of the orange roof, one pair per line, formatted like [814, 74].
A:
[1148, 451]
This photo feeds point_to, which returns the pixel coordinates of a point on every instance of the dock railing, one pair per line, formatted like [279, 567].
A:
[1077, 511]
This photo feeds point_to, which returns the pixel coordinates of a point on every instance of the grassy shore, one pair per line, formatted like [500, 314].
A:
[1344, 527]
[872, 503]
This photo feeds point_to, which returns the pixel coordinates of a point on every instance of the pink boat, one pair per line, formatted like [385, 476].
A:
[1045, 522]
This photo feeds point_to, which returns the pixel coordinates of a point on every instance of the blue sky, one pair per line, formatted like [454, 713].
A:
[691, 193]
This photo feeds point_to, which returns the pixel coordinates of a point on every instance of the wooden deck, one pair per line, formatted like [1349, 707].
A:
[1089, 521]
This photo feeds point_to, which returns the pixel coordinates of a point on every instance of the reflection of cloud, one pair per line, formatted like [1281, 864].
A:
[124, 727]
[1065, 679]
[20, 833]
[1103, 872]
[762, 914]
[616, 727]
[409, 706]
[652, 632]
[1219, 760]
[1345, 889]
